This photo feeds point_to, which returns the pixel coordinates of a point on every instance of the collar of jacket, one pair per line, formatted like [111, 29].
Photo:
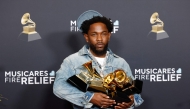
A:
[84, 51]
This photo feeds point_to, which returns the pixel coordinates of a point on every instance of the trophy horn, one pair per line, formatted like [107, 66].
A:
[120, 77]
[26, 20]
[155, 18]
[88, 66]
[91, 70]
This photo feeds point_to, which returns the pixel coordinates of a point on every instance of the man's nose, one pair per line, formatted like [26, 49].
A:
[99, 37]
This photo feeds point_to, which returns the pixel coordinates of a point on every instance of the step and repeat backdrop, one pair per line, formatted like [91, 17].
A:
[153, 36]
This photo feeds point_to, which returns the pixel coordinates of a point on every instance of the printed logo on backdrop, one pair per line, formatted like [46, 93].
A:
[29, 77]
[158, 74]
[74, 28]
[28, 34]
[157, 32]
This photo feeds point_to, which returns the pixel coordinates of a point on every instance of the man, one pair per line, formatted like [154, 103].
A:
[96, 31]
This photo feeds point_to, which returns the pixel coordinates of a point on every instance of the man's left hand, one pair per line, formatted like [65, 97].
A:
[125, 105]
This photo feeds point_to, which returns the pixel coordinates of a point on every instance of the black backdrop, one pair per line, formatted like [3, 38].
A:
[53, 18]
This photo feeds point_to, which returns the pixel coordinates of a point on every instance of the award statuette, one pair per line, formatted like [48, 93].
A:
[117, 84]
[120, 86]
[28, 33]
[157, 31]
[88, 80]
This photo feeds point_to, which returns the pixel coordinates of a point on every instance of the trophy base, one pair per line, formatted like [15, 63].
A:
[77, 82]
[29, 37]
[121, 97]
[157, 35]
[97, 89]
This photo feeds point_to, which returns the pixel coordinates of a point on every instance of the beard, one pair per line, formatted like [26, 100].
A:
[98, 52]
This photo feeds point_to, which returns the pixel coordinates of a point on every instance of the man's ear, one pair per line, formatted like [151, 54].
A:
[86, 37]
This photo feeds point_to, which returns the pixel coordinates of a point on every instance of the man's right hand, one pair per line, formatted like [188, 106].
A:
[102, 100]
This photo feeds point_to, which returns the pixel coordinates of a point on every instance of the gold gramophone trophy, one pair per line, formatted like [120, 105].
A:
[88, 79]
[117, 84]
[28, 33]
[120, 86]
[157, 31]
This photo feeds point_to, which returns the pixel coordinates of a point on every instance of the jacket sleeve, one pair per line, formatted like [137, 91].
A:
[64, 90]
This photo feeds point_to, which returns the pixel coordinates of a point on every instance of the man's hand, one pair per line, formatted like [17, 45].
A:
[102, 100]
[125, 105]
